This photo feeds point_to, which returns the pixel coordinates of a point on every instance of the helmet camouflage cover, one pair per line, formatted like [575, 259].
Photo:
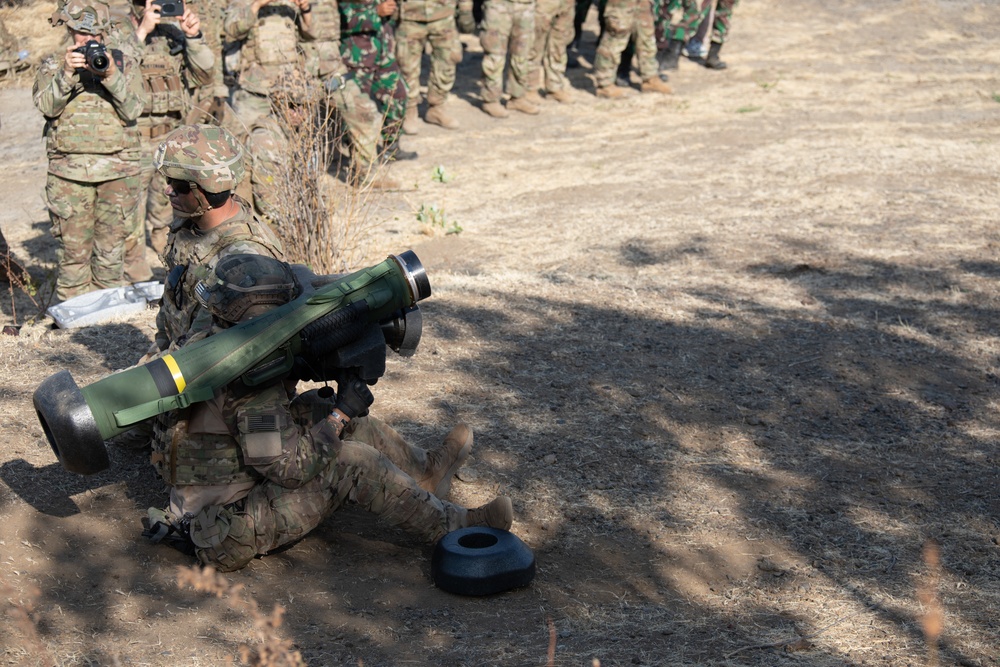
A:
[207, 155]
[91, 17]
[244, 286]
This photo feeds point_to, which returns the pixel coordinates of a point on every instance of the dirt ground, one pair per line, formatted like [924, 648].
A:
[732, 353]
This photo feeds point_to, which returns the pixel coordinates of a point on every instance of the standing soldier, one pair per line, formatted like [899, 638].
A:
[91, 98]
[368, 47]
[508, 25]
[670, 36]
[431, 21]
[175, 61]
[549, 56]
[624, 19]
[210, 103]
[272, 32]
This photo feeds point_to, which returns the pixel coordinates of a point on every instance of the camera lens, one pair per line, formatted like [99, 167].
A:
[99, 62]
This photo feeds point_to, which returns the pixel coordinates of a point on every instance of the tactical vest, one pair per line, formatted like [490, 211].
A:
[274, 41]
[323, 54]
[183, 458]
[89, 124]
[162, 82]
[197, 255]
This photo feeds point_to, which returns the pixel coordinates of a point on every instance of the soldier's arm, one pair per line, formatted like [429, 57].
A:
[241, 17]
[276, 446]
[125, 87]
[200, 61]
[53, 87]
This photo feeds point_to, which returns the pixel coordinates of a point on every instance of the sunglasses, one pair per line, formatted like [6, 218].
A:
[180, 187]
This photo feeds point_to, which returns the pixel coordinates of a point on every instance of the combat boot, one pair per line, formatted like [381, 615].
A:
[444, 462]
[498, 513]
[656, 85]
[669, 57]
[712, 61]
[436, 115]
[532, 96]
[393, 152]
[562, 96]
[411, 121]
[611, 92]
[523, 105]
[495, 109]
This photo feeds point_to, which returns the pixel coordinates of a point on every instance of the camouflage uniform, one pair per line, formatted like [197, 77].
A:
[272, 40]
[252, 470]
[355, 107]
[422, 22]
[624, 19]
[191, 252]
[368, 48]
[173, 65]
[209, 102]
[690, 20]
[553, 34]
[93, 174]
[508, 25]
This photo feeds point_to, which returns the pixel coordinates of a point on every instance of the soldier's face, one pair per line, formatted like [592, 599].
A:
[81, 38]
[181, 196]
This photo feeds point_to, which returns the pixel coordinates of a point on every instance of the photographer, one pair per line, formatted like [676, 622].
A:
[90, 97]
[175, 61]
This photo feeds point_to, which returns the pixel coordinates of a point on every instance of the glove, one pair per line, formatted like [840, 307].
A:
[466, 23]
[354, 397]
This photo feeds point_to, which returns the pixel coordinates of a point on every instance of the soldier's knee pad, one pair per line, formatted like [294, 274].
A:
[224, 538]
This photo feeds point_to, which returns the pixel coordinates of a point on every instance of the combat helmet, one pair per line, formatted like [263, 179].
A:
[91, 17]
[245, 286]
[207, 155]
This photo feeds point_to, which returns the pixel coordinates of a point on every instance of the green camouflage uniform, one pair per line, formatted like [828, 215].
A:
[272, 46]
[355, 107]
[508, 26]
[251, 473]
[690, 20]
[93, 148]
[553, 34]
[368, 49]
[189, 257]
[624, 19]
[173, 65]
[429, 21]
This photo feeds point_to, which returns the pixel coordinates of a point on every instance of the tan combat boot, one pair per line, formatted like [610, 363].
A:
[655, 85]
[498, 513]
[436, 115]
[611, 92]
[562, 96]
[444, 462]
[495, 109]
[411, 121]
[523, 105]
[533, 96]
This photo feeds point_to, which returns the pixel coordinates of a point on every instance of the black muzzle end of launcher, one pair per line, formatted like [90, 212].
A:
[69, 425]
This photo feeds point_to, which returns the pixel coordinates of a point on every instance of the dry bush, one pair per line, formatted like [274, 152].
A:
[270, 650]
[324, 223]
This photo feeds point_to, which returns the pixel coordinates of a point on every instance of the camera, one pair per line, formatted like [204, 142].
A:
[96, 55]
[170, 7]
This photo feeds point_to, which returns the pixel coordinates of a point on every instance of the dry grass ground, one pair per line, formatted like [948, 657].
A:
[733, 354]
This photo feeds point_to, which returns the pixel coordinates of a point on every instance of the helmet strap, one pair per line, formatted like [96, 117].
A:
[203, 205]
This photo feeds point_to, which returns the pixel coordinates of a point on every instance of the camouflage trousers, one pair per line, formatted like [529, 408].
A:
[272, 515]
[508, 27]
[371, 63]
[625, 19]
[247, 107]
[691, 18]
[155, 212]
[553, 33]
[91, 221]
[446, 53]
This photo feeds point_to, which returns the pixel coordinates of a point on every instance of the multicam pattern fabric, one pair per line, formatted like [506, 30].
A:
[412, 36]
[624, 19]
[190, 255]
[89, 222]
[553, 33]
[368, 49]
[91, 17]
[508, 27]
[271, 42]
[204, 154]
